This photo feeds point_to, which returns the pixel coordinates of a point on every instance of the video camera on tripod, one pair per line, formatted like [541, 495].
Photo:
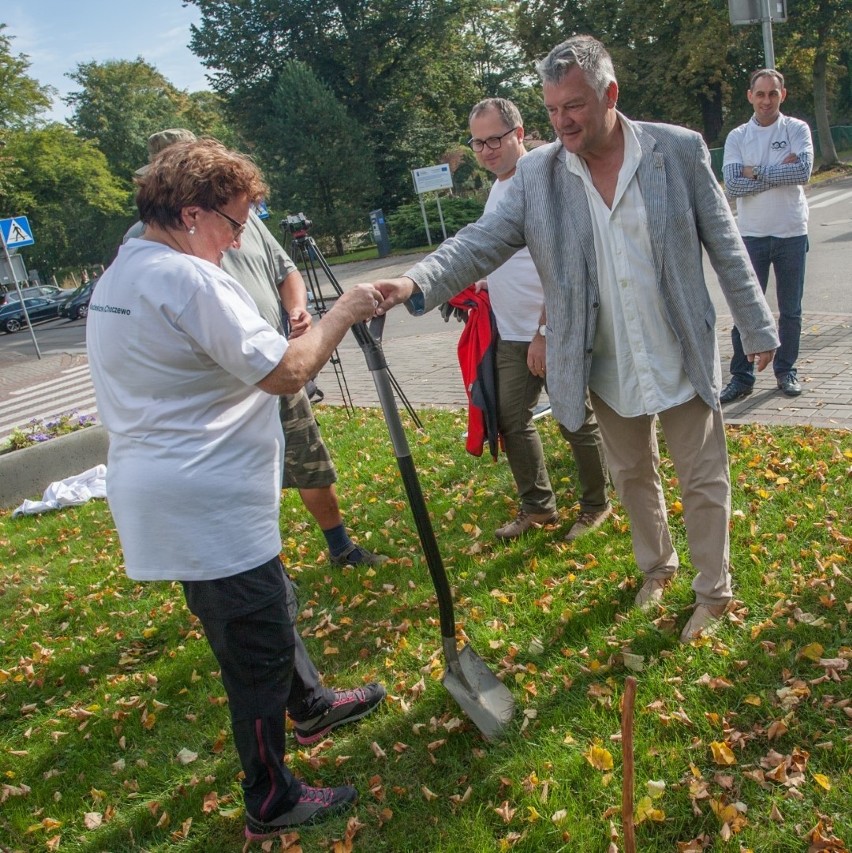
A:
[306, 254]
[297, 224]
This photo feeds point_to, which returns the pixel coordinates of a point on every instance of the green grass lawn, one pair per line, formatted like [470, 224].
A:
[114, 730]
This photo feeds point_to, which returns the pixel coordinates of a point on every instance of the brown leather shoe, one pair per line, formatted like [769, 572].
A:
[523, 521]
[705, 621]
[651, 593]
[587, 522]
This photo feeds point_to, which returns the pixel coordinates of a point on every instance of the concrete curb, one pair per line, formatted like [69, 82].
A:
[25, 474]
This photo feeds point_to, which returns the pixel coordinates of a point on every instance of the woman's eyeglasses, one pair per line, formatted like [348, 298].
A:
[236, 227]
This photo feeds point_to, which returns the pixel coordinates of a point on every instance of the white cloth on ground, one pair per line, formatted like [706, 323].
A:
[72, 491]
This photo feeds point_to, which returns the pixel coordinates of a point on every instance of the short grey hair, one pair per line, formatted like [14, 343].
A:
[766, 72]
[508, 112]
[585, 51]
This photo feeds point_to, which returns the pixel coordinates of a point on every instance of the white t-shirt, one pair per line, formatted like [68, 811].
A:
[781, 211]
[196, 449]
[514, 288]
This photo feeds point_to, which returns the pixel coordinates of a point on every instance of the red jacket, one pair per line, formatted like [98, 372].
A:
[477, 349]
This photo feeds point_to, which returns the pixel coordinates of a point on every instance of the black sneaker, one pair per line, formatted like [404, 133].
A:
[355, 555]
[315, 805]
[348, 706]
[789, 385]
[734, 391]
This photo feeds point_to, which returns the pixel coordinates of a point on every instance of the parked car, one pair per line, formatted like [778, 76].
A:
[76, 305]
[49, 291]
[39, 308]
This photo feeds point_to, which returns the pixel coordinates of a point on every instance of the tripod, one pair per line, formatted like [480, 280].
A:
[480, 694]
[306, 254]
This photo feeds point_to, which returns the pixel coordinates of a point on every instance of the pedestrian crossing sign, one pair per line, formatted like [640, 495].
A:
[16, 232]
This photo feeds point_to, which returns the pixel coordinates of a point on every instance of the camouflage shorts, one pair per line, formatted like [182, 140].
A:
[307, 462]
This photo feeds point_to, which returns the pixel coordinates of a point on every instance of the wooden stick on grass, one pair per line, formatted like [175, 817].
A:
[627, 703]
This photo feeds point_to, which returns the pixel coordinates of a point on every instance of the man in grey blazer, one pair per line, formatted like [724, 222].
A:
[616, 214]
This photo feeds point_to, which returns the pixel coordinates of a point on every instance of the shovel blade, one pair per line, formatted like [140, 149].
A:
[480, 694]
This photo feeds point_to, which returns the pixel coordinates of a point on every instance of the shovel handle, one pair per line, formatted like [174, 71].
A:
[430, 549]
[379, 370]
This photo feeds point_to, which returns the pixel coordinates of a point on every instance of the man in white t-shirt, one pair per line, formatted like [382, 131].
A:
[767, 162]
[517, 300]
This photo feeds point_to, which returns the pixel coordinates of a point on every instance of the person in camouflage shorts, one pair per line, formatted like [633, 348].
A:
[307, 462]
[273, 281]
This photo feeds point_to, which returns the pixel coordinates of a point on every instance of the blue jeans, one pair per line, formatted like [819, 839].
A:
[787, 257]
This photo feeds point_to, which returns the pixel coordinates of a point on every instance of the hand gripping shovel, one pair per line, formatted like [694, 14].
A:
[480, 694]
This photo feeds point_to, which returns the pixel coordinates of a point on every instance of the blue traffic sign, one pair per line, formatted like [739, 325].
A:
[16, 232]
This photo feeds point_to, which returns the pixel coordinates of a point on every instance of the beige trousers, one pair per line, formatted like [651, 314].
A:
[695, 438]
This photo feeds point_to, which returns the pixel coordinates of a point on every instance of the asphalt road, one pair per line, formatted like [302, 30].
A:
[827, 285]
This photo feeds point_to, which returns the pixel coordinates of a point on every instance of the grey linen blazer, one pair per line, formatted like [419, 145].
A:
[546, 209]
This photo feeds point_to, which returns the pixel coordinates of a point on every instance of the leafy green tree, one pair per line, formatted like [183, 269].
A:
[21, 97]
[204, 113]
[317, 155]
[392, 65]
[813, 43]
[674, 59]
[62, 183]
[119, 105]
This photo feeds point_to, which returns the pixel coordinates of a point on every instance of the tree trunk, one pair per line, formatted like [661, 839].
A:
[828, 153]
[711, 113]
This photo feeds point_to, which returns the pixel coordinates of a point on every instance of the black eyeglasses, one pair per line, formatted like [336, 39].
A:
[236, 227]
[493, 142]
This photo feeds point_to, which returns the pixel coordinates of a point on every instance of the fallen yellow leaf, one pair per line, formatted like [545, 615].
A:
[599, 758]
[722, 753]
[645, 810]
[822, 781]
[813, 651]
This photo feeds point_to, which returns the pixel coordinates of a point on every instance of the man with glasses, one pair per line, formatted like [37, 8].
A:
[517, 301]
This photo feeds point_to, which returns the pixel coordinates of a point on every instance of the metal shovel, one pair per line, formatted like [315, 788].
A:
[479, 693]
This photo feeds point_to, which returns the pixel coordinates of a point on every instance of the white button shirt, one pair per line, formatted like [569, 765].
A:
[637, 367]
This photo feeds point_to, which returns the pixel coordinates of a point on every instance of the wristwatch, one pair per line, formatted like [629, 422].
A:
[755, 172]
[542, 330]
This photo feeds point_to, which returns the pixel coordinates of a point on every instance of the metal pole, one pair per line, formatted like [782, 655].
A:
[766, 24]
[20, 294]
[425, 220]
[422, 209]
[441, 215]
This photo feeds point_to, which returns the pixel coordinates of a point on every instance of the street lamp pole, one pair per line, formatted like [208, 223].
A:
[766, 23]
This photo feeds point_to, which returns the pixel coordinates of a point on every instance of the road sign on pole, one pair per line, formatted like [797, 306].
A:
[16, 232]
[744, 12]
[431, 179]
[762, 12]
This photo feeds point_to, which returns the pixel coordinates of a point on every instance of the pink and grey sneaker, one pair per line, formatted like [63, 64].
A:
[348, 706]
[315, 805]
